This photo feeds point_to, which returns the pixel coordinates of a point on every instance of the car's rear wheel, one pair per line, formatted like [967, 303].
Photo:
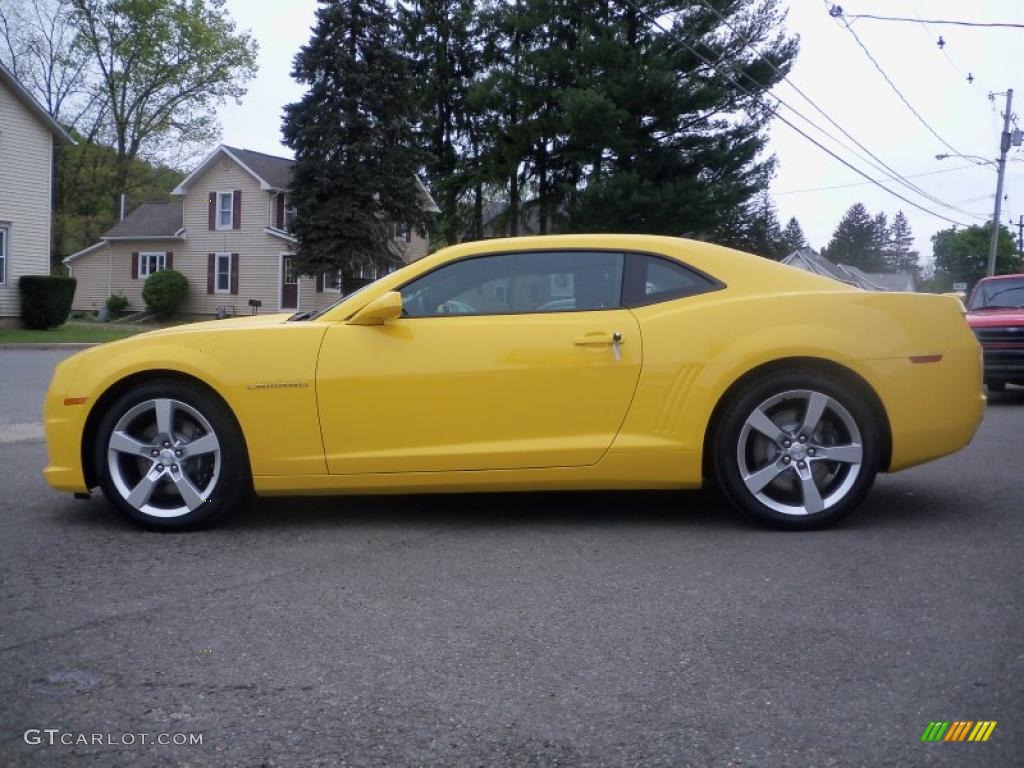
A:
[170, 456]
[797, 449]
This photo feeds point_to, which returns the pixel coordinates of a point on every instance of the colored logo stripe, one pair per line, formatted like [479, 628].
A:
[982, 730]
[958, 730]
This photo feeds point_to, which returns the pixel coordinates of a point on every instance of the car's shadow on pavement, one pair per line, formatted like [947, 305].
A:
[887, 505]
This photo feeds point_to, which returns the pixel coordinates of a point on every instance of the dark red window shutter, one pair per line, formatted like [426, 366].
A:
[280, 210]
[408, 234]
[234, 271]
[169, 260]
[211, 271]
[135, 265]
[320, 283]
[236, 217]
[213, 210]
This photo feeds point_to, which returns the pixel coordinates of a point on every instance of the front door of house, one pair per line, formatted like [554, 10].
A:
[289, 284]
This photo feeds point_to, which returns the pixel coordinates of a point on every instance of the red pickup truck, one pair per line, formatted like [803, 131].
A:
[995, 312]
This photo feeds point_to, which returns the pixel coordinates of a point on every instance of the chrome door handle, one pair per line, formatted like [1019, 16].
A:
[614, 340]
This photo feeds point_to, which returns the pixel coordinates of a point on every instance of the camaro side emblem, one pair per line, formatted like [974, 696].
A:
[279, 385]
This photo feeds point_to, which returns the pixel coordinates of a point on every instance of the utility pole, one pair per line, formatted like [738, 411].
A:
[1004, 145]
[1020, 237]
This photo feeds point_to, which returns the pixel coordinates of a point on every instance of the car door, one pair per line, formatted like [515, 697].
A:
[504, 361]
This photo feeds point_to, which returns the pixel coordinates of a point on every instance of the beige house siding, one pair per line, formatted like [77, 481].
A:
[26, 153]
[259, 253]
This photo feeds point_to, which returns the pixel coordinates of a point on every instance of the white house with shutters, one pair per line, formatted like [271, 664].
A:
[226, 229]
[28, 137]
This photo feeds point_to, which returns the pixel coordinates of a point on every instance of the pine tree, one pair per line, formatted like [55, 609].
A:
[443, 37]
[793, 237]
[352, 134]
[672, 146]
[880, 243]
[901, 256]
[756, 229]
[855, 241]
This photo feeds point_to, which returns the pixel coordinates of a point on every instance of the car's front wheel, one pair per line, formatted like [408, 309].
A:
[797, 449]
[170, 456]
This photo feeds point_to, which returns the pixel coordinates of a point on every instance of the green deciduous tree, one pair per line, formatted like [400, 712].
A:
[352, 134]
[83, 207]
[162, 67]
[962, 255]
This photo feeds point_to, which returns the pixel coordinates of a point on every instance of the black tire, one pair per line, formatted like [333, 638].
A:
[840, 486]
[995, 386]
[216, 480]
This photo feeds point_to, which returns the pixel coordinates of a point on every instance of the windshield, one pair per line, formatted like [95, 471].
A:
[313, 314]
[999, 294]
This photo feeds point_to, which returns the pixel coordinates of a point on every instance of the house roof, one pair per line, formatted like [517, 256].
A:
[893, 281]
[21, 93]
[275, 171]
[272, 172]
[809, 260]
[149, 220]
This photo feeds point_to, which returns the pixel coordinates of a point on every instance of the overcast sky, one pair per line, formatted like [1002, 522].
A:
[833, 71]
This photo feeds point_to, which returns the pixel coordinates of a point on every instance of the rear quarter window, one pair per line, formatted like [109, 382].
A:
[654, 279]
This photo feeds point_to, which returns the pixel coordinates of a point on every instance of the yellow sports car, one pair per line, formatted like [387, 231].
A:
[553, 363]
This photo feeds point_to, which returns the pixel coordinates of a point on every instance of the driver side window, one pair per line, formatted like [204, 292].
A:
[518, 283]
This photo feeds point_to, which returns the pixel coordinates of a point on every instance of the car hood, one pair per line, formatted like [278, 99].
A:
[234, 323]
[990, 318]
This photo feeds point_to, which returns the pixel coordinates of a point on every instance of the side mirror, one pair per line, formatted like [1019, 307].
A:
[381, 310]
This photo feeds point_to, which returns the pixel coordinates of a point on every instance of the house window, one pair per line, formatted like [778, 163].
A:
[332, 281]
[222, 276]
[367, 272]
[225, 209]
[289, 216]
[151, 262]
[400, 231]
[5, 236]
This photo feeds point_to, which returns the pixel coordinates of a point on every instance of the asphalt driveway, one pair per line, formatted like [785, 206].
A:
[554, 629]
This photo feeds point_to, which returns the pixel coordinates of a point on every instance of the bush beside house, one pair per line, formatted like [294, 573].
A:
[165, 292]
[45, 301]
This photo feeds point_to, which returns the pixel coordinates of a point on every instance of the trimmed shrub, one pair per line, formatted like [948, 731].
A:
[45, 300]
[116, 304]
[164, 292]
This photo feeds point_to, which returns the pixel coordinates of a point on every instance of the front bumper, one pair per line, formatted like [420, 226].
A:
[1004, 363]
[63, 426]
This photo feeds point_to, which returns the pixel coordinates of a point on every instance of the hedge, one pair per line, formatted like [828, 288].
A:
[45, 300]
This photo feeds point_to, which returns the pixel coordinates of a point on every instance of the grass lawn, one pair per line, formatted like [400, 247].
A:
[74, 331]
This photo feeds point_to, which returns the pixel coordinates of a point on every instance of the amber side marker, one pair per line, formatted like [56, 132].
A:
[925, 358]
[75, 400]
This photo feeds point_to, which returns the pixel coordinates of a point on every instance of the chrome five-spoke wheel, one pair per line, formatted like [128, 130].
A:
[799, 452]
[170, 455]
[164, 457]
[797, 448]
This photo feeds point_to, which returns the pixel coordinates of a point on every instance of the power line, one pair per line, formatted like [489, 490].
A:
[866, 183]
[879, 164]
[893, 85]
[1010, 25]
[774, 111]
[942, 45]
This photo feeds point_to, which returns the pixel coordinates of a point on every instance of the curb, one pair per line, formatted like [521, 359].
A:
[65, 345]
